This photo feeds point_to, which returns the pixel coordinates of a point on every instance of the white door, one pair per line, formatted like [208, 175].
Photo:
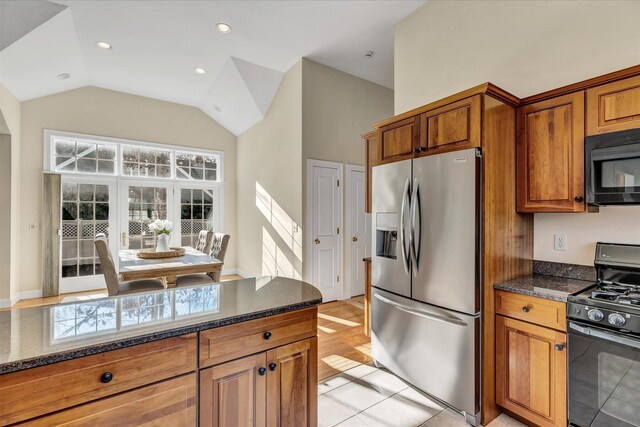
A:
[142, 203]
[326, 223]
[358, 229]
[88, 208]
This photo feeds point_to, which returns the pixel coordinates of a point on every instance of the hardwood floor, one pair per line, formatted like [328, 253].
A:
[342, 343]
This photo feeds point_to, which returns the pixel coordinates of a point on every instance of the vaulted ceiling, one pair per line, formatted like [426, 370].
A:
[157, 44]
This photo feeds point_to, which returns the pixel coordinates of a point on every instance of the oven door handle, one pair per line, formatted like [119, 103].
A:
[607, 336]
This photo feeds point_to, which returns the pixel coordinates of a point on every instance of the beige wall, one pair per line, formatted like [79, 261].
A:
[524, 47]
[11, 115]
[108, 113]
[269, 155]
[336, 109]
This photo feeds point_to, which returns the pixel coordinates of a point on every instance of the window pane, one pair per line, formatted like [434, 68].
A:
[86, 211]
[69, 211]
[86, 150]
[106, 167]
[86, 192]
[210, 175]
[106, 152]
[65, 164]
[69, 192]
[196, 174]
[163, 171]
[65, 148]
[87, 165]
[102, 193]
[102, 211]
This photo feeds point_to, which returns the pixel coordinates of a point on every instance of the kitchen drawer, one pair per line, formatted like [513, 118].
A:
[231, 342]
[167, 403]
[540, 311]
[42, 390]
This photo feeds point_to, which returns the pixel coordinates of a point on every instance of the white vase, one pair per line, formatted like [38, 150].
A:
[163, 243]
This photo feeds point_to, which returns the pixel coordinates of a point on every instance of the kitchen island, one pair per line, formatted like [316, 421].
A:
[232, 353]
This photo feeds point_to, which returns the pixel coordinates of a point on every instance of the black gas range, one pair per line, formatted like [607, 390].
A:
[603, 328]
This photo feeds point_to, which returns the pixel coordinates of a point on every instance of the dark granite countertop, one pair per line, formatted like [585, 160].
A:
[542, 286]
[37, 336]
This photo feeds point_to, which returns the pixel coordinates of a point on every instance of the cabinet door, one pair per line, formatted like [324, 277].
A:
[292, 384]
[167, 403]
[400, 139]
[531, 371]
[550, 151]
[614, 106]
[452, 127]
[233, 394]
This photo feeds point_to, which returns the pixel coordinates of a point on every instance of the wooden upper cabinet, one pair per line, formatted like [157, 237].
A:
[550, 153]
[400, 139]
[614, 106]
[531, 370]
[292, 385]
[373, 157]
[454, 126]
[234, 393]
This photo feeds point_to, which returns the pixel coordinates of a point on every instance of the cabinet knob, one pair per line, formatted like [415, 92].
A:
[106, 377]
[559, 347]
[266, 335]
[416, 150]
[579, 199]
[423, 148]
[262, 371]
[526, 308]
[272, 366]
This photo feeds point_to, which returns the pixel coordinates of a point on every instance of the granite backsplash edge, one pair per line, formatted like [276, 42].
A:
[569, 271]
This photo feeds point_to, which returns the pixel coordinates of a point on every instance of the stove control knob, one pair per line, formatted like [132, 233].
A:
[616, 320]
[595, 314]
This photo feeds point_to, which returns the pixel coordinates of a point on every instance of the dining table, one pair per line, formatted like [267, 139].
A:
[132, 267]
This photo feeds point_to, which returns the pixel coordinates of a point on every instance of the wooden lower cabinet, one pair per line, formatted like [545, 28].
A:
[531, 371]
[273, 388]
[167, 403]
[292, 384]
[234, 393]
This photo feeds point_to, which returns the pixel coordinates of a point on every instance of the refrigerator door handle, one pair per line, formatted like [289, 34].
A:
[422, 313]
[416, 243]
[405, 255]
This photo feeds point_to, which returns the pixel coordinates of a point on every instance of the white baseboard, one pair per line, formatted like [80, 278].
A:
[30, 294]
[230, 271]
[5, 303]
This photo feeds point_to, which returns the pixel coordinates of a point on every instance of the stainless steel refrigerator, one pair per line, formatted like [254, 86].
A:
[425, 314]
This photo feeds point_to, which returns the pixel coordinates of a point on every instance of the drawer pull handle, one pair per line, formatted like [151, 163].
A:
[106, 377]
[272, 367]
[266, 335]
[559, 347]
[262, 371]
[526, 308]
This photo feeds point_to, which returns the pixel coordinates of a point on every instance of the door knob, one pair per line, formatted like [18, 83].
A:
[354, 239]
[317, 241]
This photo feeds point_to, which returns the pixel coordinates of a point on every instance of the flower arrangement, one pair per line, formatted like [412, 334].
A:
[161, 226]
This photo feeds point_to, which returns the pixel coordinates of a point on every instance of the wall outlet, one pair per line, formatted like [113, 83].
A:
[34, 227]
[560, 242]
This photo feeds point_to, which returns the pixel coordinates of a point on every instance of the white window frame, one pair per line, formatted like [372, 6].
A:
[117, 181]
[49, 154]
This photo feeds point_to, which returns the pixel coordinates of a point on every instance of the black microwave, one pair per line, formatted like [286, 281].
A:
[612, 168]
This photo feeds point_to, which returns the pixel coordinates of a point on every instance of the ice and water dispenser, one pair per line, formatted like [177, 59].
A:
[387, 235]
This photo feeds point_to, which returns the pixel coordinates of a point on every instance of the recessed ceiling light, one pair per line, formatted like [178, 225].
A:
[199, 70]
[63, 76]
[223, 28]
[368, 54]
[103, 45]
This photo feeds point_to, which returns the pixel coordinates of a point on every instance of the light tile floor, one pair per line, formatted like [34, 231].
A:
[366, 396]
